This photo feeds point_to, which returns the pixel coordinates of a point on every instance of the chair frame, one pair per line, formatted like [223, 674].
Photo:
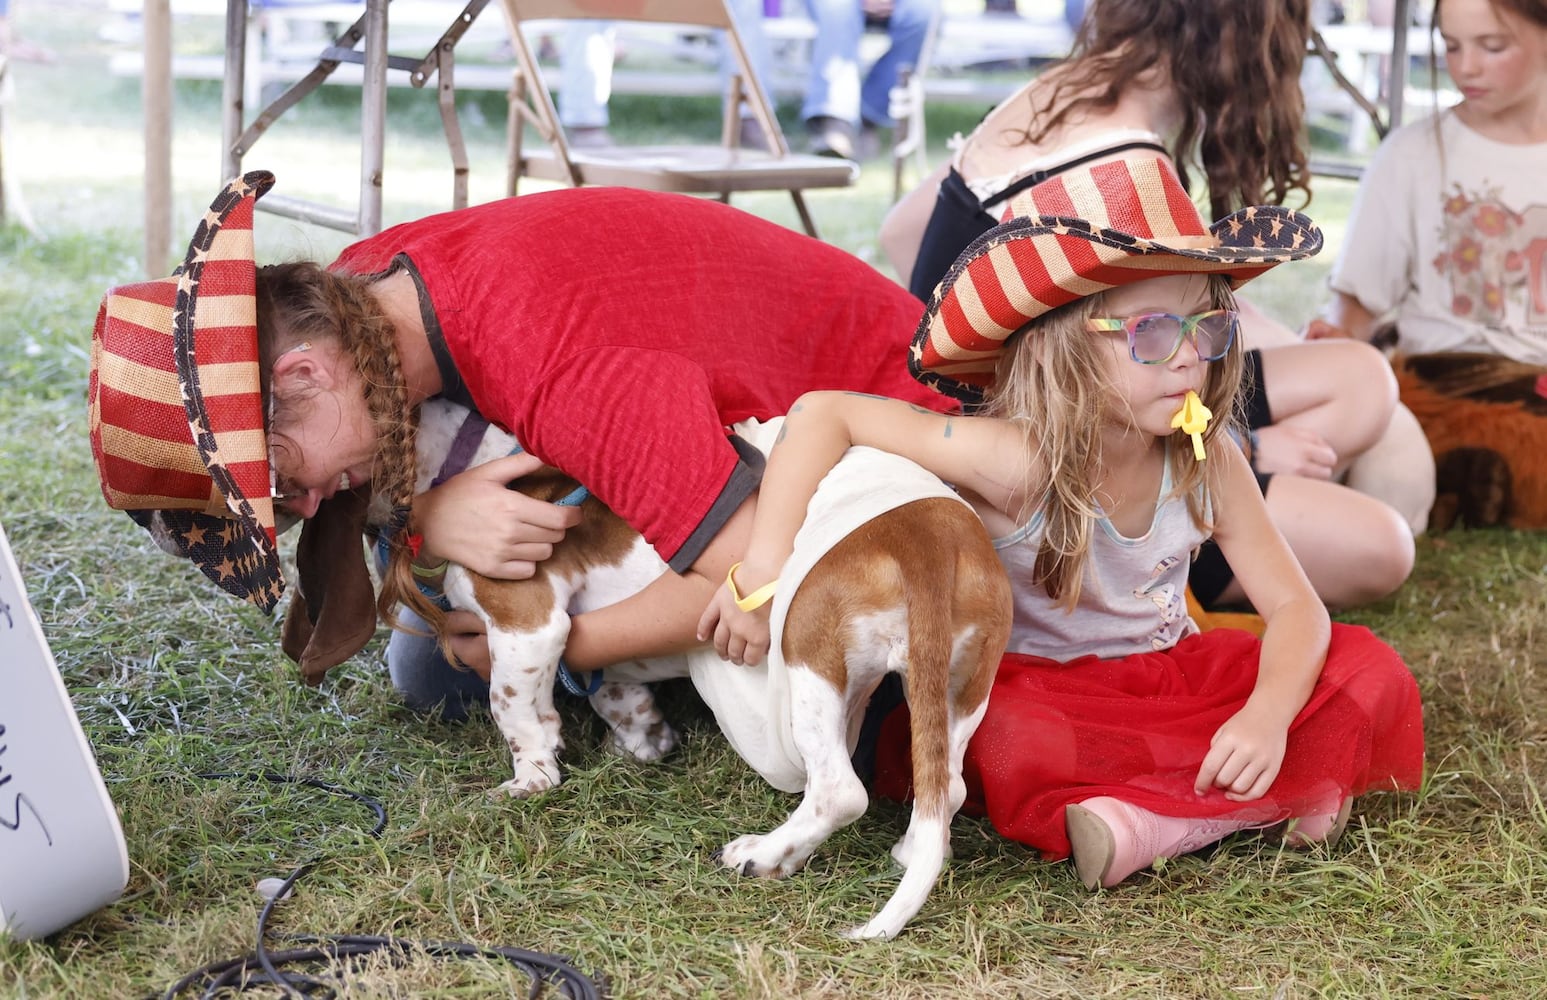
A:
[719, 170]
[364, 43]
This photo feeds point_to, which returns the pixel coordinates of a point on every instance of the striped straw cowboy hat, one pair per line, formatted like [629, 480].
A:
[1078, 233]
[177, 414]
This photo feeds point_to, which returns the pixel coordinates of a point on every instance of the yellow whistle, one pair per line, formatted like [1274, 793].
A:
[1193, 419]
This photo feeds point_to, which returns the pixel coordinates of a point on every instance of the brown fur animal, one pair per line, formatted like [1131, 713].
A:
[915, 590]
[1486, 420]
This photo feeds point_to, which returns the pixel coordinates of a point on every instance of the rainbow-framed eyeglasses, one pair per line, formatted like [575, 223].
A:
[1154, 338]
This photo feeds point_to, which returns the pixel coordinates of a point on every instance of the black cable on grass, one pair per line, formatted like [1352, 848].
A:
[265, 968]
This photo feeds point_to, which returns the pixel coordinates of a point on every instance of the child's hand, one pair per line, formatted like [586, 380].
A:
[1320, 329]
[739, 636]
[1244, 756]
[1298, 451]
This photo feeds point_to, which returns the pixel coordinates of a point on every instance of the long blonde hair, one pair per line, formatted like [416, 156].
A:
[1054, 381]
[303, 301]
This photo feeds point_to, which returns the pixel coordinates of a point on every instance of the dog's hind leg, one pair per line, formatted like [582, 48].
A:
[636, 727]
[957, 603]
[970, 648]
[834, 796]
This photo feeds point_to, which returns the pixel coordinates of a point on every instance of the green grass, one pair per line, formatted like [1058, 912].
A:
[1440, 893]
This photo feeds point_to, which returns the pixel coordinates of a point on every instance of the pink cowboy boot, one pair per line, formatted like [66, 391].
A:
[1110, 839]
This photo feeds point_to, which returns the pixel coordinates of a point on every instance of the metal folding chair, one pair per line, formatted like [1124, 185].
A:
[717, 169]
[363, 43]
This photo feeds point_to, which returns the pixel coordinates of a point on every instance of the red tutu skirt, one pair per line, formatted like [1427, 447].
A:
[1138, 728]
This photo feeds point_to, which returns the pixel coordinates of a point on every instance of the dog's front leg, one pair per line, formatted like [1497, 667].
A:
[523, 665]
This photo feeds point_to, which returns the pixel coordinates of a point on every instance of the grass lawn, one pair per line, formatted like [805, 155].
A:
[1439, 893]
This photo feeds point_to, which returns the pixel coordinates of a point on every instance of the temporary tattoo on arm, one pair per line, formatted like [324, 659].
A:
[948, 422]
[866, 395]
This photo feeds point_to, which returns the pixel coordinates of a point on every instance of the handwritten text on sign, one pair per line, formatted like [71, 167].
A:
[17, 813]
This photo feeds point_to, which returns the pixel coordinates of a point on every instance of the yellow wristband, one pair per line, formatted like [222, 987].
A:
[754, 600]
[429, 572]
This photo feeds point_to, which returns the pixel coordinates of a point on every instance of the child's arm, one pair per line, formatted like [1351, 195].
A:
[983, 455]
[1247, 751]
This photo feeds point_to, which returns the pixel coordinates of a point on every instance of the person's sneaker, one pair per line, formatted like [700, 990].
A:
[831, 137]
[751, 136]
[589, 137]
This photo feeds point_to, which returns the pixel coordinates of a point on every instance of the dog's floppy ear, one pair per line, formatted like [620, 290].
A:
[333, 610]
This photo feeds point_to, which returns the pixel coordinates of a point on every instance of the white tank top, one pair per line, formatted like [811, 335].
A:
[1134, 598]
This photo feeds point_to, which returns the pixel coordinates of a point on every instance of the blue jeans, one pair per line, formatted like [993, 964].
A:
[425, 680]
[586, 56]
[834, 89]
[585, 73]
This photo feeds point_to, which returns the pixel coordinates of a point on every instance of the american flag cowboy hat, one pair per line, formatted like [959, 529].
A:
[1078, 233]
[176, 404]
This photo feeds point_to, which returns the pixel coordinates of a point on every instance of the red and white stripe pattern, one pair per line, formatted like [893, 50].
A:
[176, 402]
[1076, 234]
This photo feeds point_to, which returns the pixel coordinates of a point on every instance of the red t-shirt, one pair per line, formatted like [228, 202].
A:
[617, 333]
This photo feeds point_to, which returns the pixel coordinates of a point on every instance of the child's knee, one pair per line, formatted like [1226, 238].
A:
[1383, 555]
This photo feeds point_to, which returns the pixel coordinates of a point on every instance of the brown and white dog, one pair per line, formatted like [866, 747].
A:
[916, 590]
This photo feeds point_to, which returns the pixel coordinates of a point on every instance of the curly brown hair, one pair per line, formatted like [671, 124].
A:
[1236, 66]
[303, 301]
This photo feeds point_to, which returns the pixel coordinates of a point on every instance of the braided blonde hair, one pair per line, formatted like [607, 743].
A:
[303, 301]
[1054, 381]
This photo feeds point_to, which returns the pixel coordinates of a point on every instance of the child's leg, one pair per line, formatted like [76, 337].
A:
[1110, 839]
[1323, 826]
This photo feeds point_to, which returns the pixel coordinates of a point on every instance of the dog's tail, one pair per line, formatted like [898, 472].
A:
[957, 602]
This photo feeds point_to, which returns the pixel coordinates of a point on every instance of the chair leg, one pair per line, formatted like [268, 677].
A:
[805, 216]
[446, 97]
[3, 82]
[515, 124]
[908, 136]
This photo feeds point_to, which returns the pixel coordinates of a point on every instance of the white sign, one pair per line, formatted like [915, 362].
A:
[62, 853]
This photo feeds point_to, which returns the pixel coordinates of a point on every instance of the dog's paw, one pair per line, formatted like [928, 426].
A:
[645, 743]
[762, 856]
[533, 775]
[873, 931]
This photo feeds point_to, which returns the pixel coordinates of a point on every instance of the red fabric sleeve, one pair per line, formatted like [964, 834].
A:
[640, 429]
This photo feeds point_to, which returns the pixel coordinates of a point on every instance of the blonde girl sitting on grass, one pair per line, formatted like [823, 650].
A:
[1105, 337]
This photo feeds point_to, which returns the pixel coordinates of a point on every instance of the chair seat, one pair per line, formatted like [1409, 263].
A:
[694, 169]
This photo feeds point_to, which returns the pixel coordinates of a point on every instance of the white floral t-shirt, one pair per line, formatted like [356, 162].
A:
[1450, 229]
